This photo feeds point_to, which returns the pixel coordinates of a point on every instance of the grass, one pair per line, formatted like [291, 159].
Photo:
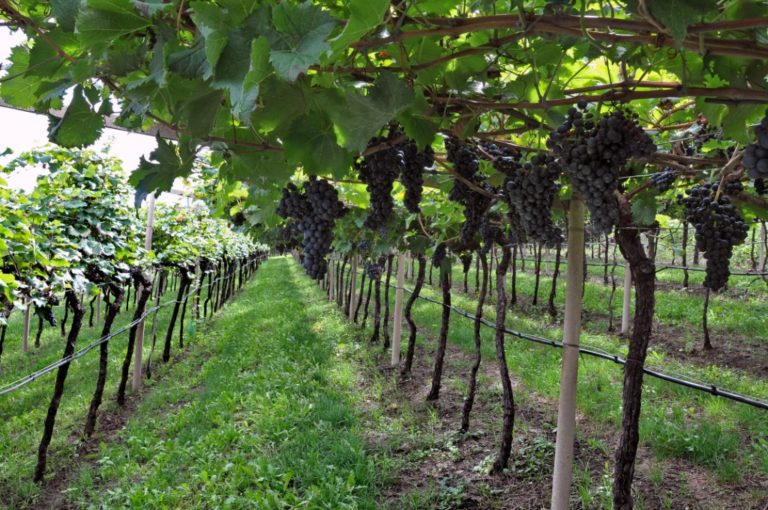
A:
[262, 414]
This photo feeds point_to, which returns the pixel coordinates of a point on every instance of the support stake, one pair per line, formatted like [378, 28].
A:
[627, 299]
[566, 414]
[139, 347]
[397, 326]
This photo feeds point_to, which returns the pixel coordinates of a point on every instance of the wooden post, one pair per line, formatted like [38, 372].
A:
[397, 325]
[139, 347]
[98, 308]
[25, 332]
[353, 298]
[566, 414]
[627, 299]
[763, 255]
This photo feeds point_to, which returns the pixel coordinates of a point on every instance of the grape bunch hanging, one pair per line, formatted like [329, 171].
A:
[663, 180]
[719, 227]
[592, 151]
[466, 162]
[372, 270]
[378, 171]
[412, 172]
[756, 157]
[316, 209]
[507, 162]
[531, 190]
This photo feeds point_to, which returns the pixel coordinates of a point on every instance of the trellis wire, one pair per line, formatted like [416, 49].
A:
[598, 353]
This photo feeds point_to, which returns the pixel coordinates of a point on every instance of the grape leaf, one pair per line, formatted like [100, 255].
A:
[65, 12]
[311, 142]
[644, 208]
[20, 90]
[79, 126]
[364, 16]
[361, 117]
[212, 27]
[102, 21]
[676, 15]
[299, 40]
[159, 172]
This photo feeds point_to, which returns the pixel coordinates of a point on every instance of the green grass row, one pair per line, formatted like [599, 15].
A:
[261, 414]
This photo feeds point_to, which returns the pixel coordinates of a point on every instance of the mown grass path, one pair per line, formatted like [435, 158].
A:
[260, 414]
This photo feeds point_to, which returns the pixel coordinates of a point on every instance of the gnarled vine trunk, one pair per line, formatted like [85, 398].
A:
[437, 372]
[78, 312]
[469, 401]
[644, 276]
[174, 315]
[508, 401]
[145, 291]
[408, 363]
[113, 309]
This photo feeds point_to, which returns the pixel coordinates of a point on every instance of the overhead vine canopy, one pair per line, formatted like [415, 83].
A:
[272, 86]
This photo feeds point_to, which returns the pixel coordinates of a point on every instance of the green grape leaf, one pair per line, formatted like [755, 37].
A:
[198, 111]
[311, 142]
[158, 173]
[212, 27]
[300, 38]
[20, 90]
[79, 126]
[190, 62]
[102, 21]
[244, 92]
[676, 15]
[257, 167]
[644, 207]
[65, 12]
[361, 117]
[364, 16]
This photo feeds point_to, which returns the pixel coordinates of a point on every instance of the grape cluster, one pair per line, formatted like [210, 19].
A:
[293, 203]
[46, 313]
[372, 270]
[663, 180]
[531, 190]
[466, 262]
[316, 209]
[467, 163]
[411, 174]
[719, 227]
[287, 237]
[505, 159]
[592, 151]
[507, 162]
[378, 171]
[324, 198]
[760, 187]
[441, 251]
[756, 154]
